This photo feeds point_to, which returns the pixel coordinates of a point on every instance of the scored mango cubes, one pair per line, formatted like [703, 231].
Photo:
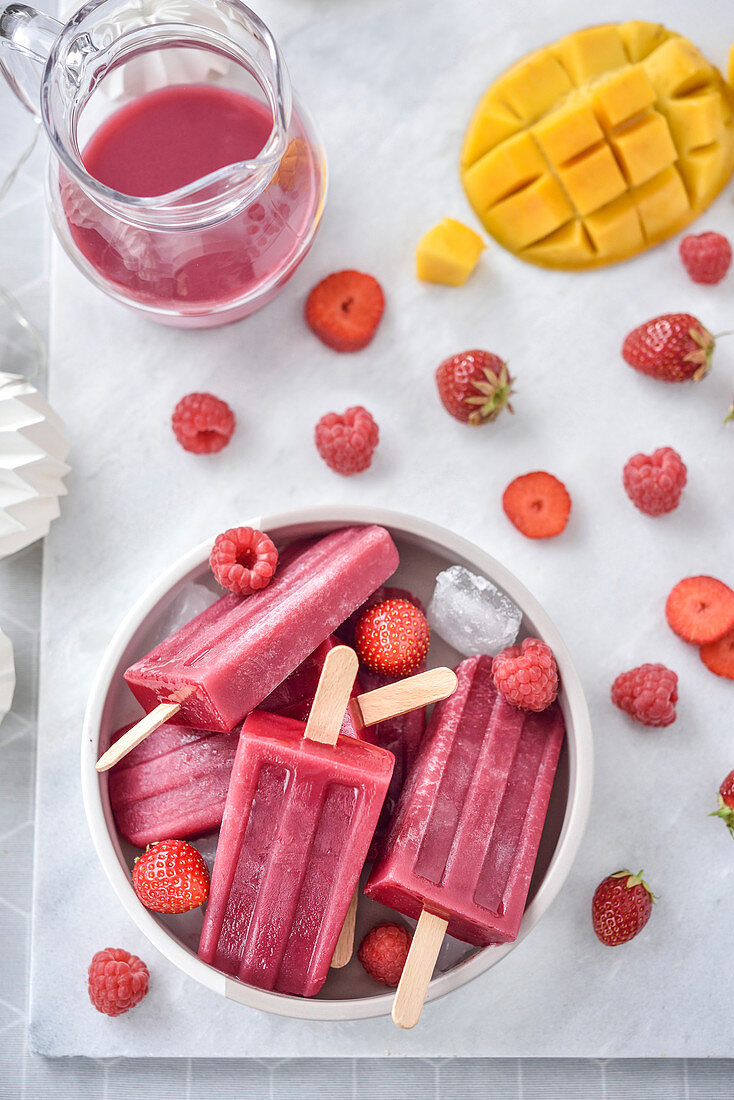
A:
[599, 146]
[448, 253]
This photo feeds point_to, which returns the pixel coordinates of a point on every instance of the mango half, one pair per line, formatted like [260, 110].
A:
[599, 146]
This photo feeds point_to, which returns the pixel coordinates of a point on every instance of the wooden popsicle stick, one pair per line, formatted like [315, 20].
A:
[332, 695]
[142, 729]
[413, 985]
[324, 723]
[345, 943]
[409, 694]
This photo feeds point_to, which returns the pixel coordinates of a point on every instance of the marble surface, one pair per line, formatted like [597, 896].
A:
[392, 97]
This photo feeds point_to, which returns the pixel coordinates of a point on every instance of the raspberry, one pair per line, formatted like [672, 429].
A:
[392, 638]
[345, 309]
[655, 482]
[718, 656]
[527, 675]
[243, 560]
[347, 442]
[202, 423]
[700, 610]
[537, 504]
[117, 981]
[648, 694]
[383, 952]
[706, 257]
[474, 386]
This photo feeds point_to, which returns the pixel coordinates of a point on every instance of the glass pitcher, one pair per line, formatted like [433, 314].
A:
[139, 95]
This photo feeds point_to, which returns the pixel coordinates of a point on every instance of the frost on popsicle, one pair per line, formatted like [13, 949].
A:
[471, 614]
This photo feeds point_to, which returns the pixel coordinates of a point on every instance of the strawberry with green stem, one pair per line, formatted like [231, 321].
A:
[621, 907]
[726, 803]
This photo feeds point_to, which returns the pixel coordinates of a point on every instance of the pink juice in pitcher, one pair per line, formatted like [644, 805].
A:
[168, 139]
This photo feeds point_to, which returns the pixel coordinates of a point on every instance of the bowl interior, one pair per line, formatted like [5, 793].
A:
[421, 558]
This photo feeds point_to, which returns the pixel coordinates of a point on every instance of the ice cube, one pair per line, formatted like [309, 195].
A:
[185, 606]
[471, 614]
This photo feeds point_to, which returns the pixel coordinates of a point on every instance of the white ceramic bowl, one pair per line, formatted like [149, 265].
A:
[425, 549]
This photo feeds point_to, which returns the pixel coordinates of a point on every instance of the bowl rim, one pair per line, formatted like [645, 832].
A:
[579, 746]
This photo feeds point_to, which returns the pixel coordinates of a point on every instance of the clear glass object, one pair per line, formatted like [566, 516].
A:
[209, 252]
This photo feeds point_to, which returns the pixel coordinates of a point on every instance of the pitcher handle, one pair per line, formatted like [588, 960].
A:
[26, 38]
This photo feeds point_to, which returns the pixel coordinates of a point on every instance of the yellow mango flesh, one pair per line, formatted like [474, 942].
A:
[600, 145]
[448, 253]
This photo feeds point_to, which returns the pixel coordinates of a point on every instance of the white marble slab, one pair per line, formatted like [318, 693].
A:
[392, 86]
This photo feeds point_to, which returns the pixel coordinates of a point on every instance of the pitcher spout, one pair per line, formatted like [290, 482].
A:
[26, 39]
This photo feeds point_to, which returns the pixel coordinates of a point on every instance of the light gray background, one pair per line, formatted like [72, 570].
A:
[149, 371]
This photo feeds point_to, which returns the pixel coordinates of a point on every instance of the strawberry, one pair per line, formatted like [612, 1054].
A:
[621, 907]
[392, 638]
[700, 609]
[537, 504]
[672, 348]
[345, 309]
[474, 386]
[718, 656]
[726, 803]
[171, 877]
[706, 257]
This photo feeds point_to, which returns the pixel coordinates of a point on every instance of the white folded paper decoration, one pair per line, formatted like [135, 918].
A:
[33, 449]
[7, 675]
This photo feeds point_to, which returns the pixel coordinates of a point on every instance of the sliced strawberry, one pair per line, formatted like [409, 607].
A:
[700, 609]
[538, 504]
[718, 656]
[345, 309]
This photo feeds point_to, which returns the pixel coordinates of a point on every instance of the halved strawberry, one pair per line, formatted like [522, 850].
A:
[344, 310]
[700, 609]
[718, 656]
[538, 504]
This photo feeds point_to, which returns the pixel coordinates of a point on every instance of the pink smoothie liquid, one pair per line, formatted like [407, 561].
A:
[167, 139]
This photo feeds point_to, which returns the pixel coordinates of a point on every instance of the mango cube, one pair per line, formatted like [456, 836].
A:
[591, 52]
[502, 170]
[615, 229]
[640, 38]
[622, 95]
[532, 213]
[645, 148]
[697, 120]
[448, 253]
[659, 200]
[492, 123]
[562, 248]
[565, 133]
[594, 180]
[533, 85]
[677, 67]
